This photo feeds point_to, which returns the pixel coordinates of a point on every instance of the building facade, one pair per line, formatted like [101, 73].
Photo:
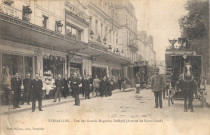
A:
[62, 37]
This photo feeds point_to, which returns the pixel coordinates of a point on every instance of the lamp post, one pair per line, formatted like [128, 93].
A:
[27, 13]
[104, 40]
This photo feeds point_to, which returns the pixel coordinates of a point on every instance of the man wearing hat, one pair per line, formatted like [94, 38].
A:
[157, 87]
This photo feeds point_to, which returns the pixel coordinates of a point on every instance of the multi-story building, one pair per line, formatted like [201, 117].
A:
[60, 37]
[127, 34]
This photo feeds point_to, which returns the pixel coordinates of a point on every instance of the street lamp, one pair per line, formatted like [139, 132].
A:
[27, 13]
[104, 40]
[92, 58]
[91, 34]
[70, 54]
[117, 51]
[110, 47]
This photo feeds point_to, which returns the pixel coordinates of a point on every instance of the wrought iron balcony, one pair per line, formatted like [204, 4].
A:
[133, 45]
[11, 11]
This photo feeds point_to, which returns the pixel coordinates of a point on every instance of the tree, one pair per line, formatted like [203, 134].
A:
[195, 27]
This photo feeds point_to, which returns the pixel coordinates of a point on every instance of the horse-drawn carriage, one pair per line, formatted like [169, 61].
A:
[176, 59]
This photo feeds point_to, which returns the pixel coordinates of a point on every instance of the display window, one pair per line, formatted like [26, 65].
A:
[12, 64]
[53, 66]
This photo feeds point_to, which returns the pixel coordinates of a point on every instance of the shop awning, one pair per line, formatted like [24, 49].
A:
[17, 30]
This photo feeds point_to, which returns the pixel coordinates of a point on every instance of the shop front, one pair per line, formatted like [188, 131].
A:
[53, 66]
[99, 71]
[14, 63]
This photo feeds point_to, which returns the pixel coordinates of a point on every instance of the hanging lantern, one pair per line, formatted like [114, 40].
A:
[70, 54]
[110, 47]
[27, 13]
[91, 34]
[117, 51]
[104, 40]
[92, 58]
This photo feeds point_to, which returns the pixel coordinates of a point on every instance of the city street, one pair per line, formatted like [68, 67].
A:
[123, 109]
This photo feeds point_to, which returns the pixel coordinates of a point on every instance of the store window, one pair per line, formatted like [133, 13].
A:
[73, 32]
[12, 64]
[53, 66]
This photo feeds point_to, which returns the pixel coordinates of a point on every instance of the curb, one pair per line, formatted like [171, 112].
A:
[51, 104]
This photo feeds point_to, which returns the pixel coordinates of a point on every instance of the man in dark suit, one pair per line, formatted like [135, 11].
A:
[157, 87]
[65, 87]
[75, 81]
[58, 89]
[16, 87]
[27, 83]
[103, 87]
[37, 92]
[86, 86]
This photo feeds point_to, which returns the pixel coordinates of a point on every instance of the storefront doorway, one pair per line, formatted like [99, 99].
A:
[53, 67]
[99, 71]
[75, 67]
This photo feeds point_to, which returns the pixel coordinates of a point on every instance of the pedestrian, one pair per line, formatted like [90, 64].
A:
[37, 92]
[120, 83]
[69, 83]
[110, 84]
[96, 82]
[65, 87]
[16, 87]
[137, 82]
[27, 83]
[75, 82]
[157, 87]
[58, 89]
[103, 87]
[86, 86]
[6, 85]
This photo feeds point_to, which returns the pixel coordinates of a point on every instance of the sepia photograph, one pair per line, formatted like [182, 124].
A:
[104, 67]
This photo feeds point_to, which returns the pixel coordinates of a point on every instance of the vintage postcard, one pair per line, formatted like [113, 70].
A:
[104, 67]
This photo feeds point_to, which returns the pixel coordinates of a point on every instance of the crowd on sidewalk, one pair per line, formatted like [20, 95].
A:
[18, 91]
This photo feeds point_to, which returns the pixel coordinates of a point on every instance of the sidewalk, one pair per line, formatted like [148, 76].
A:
[45, 103]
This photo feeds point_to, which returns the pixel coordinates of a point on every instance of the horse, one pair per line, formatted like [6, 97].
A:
[188, 85]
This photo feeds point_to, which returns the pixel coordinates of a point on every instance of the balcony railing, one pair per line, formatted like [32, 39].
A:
[11, 11]
[133, 45]
[77, 12]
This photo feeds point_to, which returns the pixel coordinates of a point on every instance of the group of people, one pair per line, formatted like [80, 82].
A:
[186, 83]
[33, 89]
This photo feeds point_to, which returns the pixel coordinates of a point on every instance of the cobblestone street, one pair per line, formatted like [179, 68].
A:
[127, 109]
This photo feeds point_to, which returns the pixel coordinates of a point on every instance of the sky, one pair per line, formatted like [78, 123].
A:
[160, 19]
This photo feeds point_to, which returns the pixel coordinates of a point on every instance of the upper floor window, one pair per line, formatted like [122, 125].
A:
[45, 21]
[8, 2]
[58, 26]
[73, 32]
